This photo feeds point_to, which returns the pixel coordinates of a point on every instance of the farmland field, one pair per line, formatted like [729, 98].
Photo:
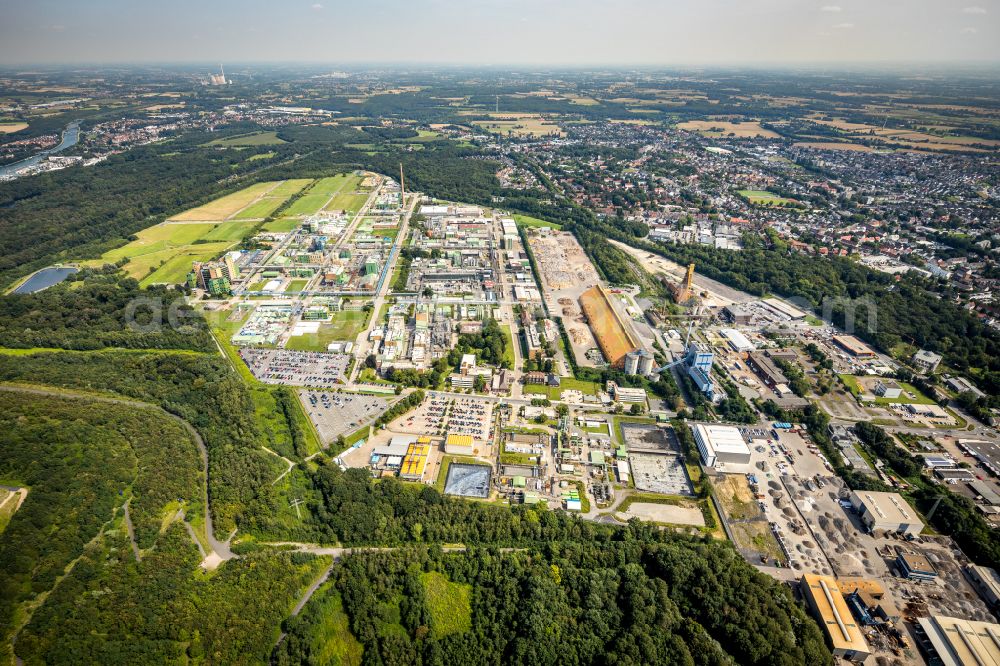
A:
[347, 200]
[287, 188]
[168, 249]
[718, 128]
[281, 225]
[518, 125]
[260, 209]
[10, 128]
[226, 206]
[307, 204]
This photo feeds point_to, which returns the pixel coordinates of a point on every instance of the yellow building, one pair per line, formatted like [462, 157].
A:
[459, 445]
[415, 461]
[826, 601]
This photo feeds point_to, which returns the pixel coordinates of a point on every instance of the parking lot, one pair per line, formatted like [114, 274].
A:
[336, 414]
[296, 368]
[449, 416]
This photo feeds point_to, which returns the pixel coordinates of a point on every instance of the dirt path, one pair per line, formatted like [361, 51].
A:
[287, 462]
[131, 531]
[220, 549]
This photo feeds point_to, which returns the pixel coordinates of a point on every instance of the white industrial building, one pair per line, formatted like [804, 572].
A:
[887, 512]
[721, 444]
[956, 641]
[737, 340]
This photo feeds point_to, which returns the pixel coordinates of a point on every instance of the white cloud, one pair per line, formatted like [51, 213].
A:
[974, 10]
[317, 6]
[969, 31]
[832, 9]
[843, 26]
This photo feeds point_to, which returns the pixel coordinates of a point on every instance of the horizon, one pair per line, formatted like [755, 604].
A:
[503, 33]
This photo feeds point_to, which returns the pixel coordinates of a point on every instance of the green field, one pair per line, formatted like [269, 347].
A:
[296, 285]
[567, 383]
[528, 221]
[307, 204]
[289, 187]
[281, 225]
[169, 248]
[346, 200]
[344, 327]
[331, 185]
[330, 639]
[260, 209]
[255, 139]
[449, 604]
[763, 198]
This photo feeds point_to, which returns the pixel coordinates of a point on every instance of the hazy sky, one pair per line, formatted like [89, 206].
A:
[500, 31]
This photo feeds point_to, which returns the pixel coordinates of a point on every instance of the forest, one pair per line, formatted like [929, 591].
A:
[203, 390]
[101, 309]
[633, 600]
[77, 456]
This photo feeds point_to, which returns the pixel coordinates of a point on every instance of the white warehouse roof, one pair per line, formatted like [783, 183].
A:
[736, 339]
[723, 439]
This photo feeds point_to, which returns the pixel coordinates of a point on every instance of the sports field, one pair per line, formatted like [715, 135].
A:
[764, 198]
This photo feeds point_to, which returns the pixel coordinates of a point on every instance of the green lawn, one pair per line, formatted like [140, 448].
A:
[763, 197]
[852, 384]
[567, 383]
[528, 221]
[254, 139]
[449, 604]
[344, 327]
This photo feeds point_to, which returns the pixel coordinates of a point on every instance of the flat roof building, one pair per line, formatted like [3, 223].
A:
[739, 342]
[415, 461]
[721, 444]
[766, 369]
[783, 309]
[827, 604]
[887, 512]
[915, 566]
[853, 346]
[460, 445]
[958, 642]
[737, 314]
[926, 361]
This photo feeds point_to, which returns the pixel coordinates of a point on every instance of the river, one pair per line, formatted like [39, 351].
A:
[70, 137]
[44, 279]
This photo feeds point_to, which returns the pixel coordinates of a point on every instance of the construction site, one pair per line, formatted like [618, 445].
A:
[566, 272]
